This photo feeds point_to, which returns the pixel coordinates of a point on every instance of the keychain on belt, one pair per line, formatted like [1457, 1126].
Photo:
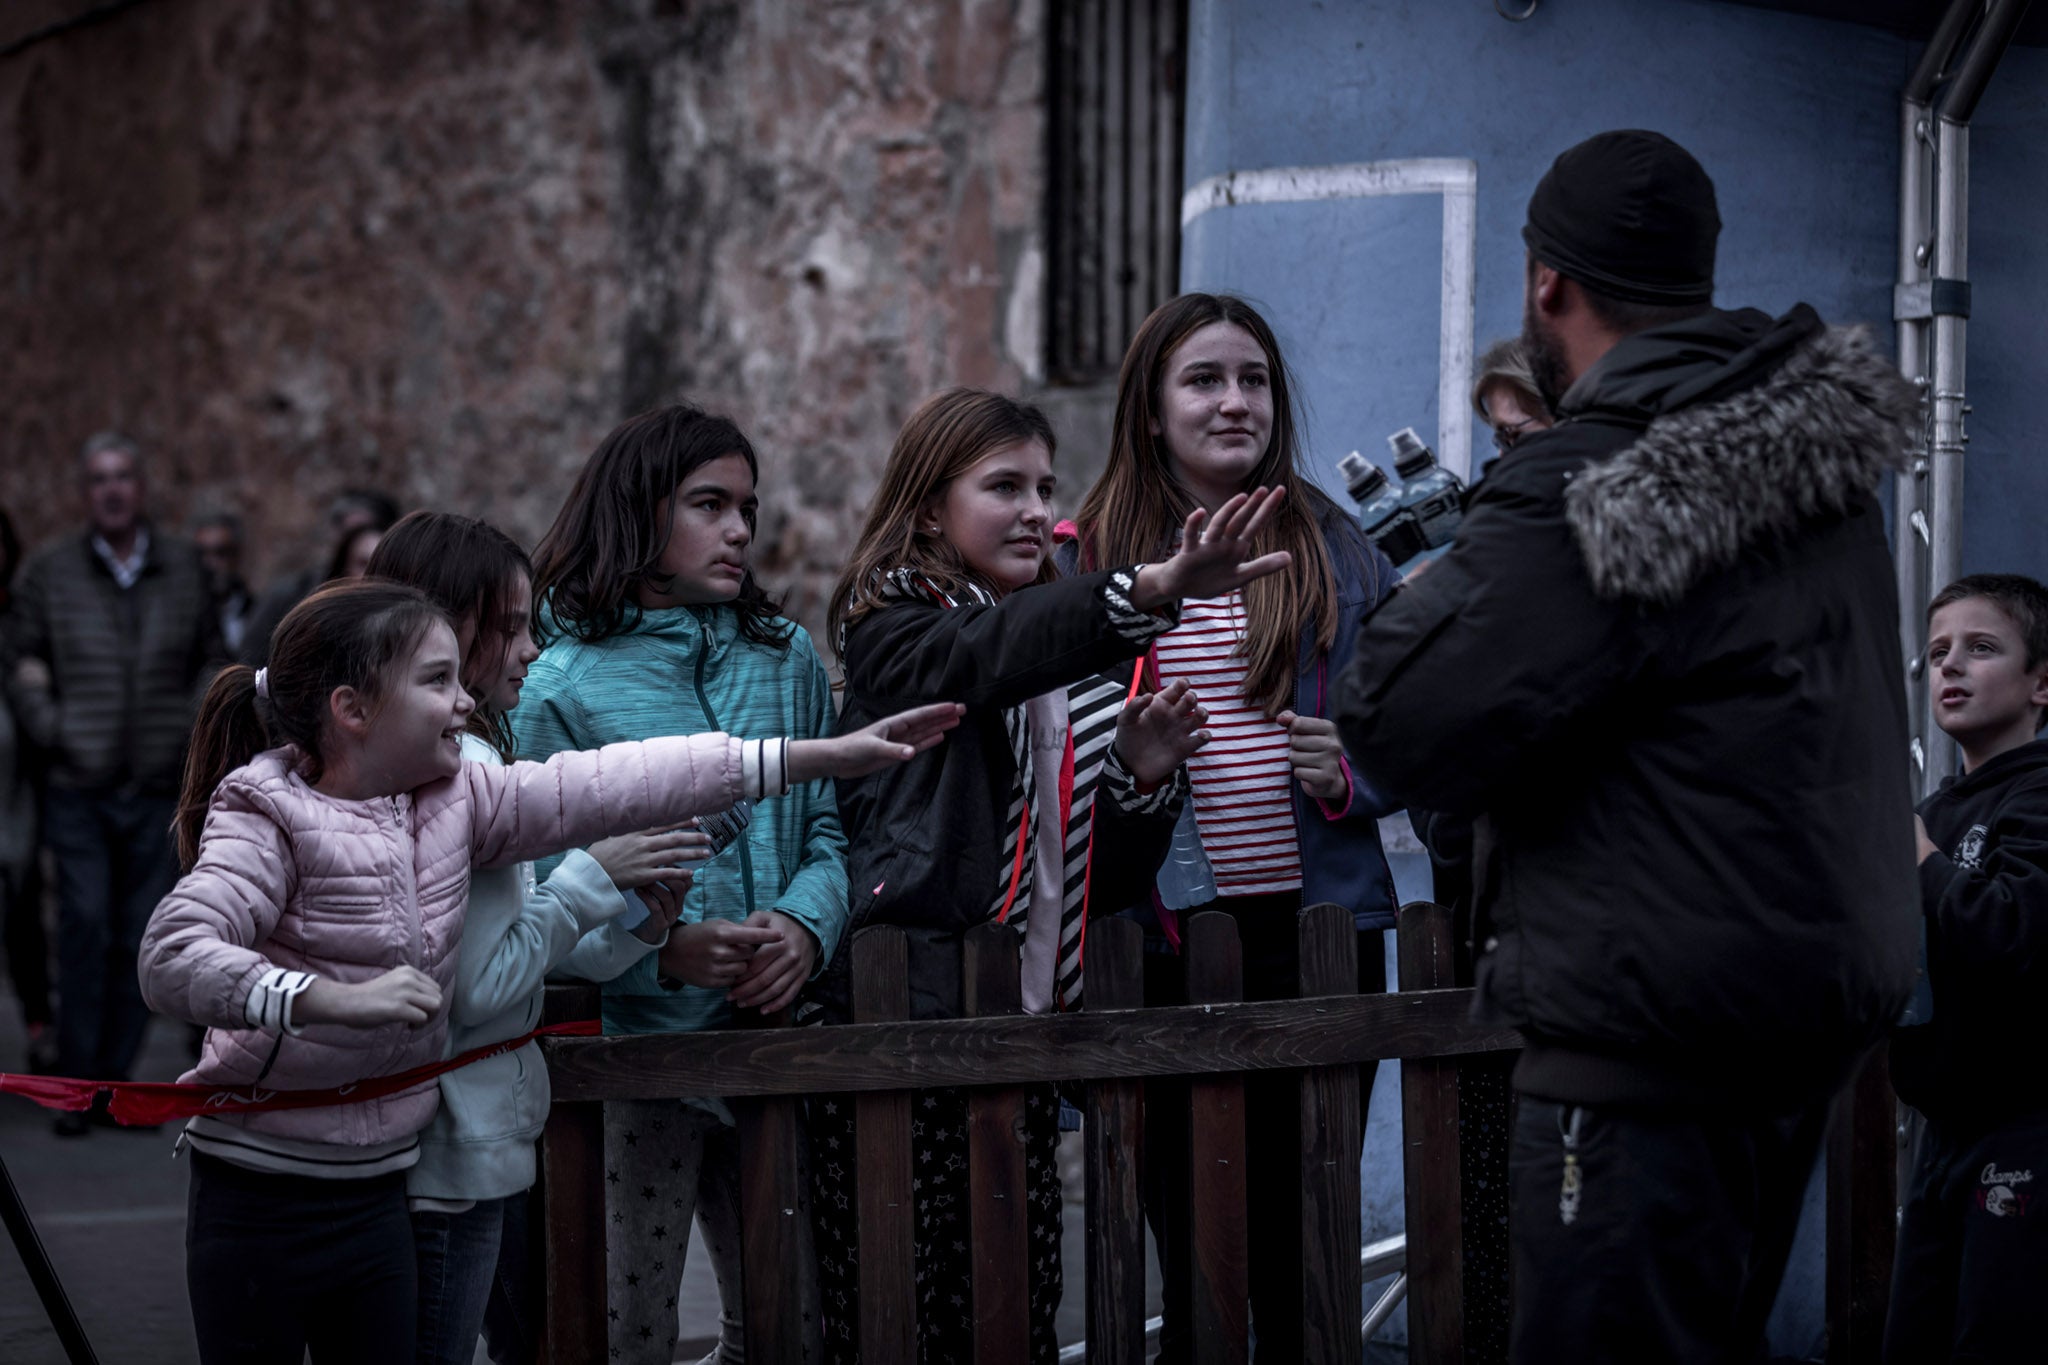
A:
[1568, 1122]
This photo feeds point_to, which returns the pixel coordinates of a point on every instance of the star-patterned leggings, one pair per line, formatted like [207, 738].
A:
[663, 1163]
[945, 1290]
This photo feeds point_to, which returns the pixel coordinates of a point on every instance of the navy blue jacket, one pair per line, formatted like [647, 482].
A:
[1342, 862]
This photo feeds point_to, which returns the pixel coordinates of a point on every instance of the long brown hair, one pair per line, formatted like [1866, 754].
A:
[1132, 512]
[609, 536]
[948, 435]
[469, 568]
[348, 634]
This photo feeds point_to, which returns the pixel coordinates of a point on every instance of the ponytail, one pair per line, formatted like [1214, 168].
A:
[229, 732]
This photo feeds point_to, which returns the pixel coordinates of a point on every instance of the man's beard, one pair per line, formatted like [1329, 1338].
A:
[1546, 359]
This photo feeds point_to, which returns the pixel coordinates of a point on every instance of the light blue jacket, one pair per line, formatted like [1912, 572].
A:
[480, 1143]
[681, 670]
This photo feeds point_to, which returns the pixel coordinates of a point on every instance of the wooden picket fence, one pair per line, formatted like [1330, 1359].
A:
[1111, 1047]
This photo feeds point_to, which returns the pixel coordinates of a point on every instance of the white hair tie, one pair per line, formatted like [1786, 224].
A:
[263, 683]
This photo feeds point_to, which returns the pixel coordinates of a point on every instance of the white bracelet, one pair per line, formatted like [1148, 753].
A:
[269, 1006]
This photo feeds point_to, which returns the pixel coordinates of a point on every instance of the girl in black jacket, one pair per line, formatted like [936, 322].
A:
[934, 604]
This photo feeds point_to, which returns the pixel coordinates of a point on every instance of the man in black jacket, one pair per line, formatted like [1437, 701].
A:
[1660, 667]
[114, 632]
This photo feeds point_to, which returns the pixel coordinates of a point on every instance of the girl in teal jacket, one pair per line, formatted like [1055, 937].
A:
[655, 626]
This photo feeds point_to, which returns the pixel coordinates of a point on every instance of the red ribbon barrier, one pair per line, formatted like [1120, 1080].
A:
[149, 1102]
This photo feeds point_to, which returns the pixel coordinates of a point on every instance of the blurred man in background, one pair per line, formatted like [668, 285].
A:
[111, 634]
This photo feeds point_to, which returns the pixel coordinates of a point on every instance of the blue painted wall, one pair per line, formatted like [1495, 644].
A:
[1795, 118]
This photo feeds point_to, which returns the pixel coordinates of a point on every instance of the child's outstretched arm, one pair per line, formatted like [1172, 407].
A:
[529, 810]
[1036, 639]
[587, 893]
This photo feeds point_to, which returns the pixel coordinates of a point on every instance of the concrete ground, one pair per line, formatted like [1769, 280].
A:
[110, 1207]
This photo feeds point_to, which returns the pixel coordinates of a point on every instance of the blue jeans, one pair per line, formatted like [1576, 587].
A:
[114, 863]
[473, 1279]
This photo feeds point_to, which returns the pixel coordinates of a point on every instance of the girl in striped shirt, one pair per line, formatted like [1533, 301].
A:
[1204, 414]
[950, 594]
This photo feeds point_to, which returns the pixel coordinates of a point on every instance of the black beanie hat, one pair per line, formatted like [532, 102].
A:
[1632, 215]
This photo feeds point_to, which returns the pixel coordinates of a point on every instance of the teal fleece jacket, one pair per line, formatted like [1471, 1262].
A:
[681, 670]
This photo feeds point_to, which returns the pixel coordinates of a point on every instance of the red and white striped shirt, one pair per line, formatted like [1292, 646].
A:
[1243, 783]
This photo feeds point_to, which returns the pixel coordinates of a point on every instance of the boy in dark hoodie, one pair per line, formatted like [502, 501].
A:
[1973, 1242]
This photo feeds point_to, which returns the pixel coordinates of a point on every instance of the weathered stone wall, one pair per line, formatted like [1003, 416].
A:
[297, 245]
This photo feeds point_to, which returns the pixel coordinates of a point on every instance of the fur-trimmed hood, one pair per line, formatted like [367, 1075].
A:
[1755, 428]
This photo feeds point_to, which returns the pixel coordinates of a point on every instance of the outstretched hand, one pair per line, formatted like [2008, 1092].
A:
[1157, 731]
[893, 739]
[1214, 554]
[651, 855]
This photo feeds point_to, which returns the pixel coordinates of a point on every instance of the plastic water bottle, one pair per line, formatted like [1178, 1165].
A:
[1431, 493]
[1387, 522]
[1185, 879]
[723, 826]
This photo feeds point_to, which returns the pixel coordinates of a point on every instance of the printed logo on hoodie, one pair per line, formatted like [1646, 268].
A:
[1970, 852]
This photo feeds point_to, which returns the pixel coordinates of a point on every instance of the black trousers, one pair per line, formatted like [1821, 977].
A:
[277, 1265]
[1663, 1239]
[943, 1265]
[1269, 939]
[1972, 1264]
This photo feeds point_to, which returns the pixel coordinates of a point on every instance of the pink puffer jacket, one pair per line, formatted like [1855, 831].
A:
[289, 877]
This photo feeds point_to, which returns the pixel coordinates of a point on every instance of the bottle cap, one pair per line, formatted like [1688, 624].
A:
[1411, 456]
[1362, 478]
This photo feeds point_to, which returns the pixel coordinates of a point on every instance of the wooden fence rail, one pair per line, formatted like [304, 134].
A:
[1108, 1050]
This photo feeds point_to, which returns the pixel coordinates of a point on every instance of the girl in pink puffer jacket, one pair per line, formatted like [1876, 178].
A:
[316, 933]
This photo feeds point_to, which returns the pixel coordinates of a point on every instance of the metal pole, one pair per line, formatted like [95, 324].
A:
[1971, 72]
[1913, 311]
[1945, 453]
[42, 1274]
[1947, 302]
[1909, 520]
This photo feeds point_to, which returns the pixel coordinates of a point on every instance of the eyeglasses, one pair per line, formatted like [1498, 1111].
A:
[1507, 433]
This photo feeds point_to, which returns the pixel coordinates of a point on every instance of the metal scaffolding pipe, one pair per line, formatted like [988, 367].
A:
[1912, 310]
[1932, 307]
[1909, 518]
[1945, 394]
[1948, 36]
[1972, 72]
